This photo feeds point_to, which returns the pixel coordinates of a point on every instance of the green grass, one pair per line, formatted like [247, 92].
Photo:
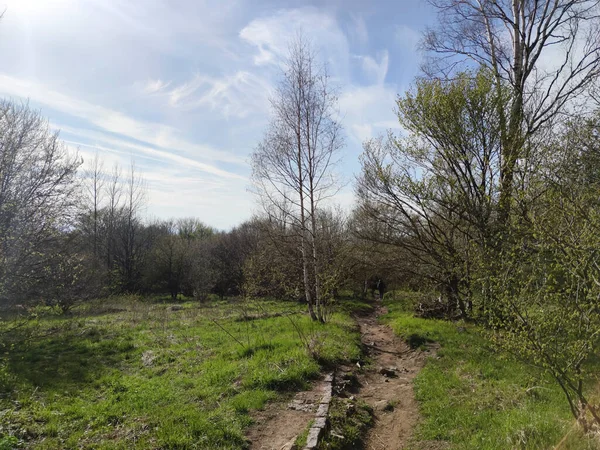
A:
[473, 397]
[132, 374]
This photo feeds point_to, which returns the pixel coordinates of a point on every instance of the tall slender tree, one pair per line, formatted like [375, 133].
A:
[94, 190]
[292, 166]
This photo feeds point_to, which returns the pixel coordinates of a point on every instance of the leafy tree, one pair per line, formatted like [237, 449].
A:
[433, 193]
[75, 277]
[547, 290]
[274, 268]
[510, 38]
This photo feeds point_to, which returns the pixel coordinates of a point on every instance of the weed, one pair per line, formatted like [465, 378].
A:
[300, 441]
[8, 442]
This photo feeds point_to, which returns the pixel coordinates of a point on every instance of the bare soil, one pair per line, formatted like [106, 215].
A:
[278, 425]
[387, 384]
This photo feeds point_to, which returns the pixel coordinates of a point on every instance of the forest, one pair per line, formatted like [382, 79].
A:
[455, 305]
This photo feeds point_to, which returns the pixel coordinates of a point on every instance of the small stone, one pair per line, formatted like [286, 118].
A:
[290, 445]
[148, 358]
[380, 405]
[300, 405]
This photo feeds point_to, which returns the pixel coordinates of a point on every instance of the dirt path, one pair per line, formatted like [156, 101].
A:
[387, 385]
[278, 425]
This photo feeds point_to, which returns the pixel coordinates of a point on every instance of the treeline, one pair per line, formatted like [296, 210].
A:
[258, 258]
[72, 230]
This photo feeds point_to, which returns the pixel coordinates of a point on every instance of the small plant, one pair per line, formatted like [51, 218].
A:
[8, 442]
[300, 441]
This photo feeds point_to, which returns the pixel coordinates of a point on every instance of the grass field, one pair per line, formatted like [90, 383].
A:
[146, 373]
[134, 373]
[472, 397]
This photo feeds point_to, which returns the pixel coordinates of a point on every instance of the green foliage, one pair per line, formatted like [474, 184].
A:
[474, 397]
[8, 442]
[547, 293]
[300, 441]
[407, 301]
[128, 373]
[355, 306]
[433, 191]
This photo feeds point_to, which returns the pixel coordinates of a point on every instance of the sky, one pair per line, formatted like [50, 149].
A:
[182, 86]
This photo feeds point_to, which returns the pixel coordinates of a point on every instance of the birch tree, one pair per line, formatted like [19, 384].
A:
[94, 190]
[292, 166]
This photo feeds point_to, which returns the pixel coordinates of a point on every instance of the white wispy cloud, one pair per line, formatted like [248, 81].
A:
[156, 134]
[407, 37]
[271, 35]
[114, 145]
[359, 31]
[368, 110]
[154, 86]
[236, 95]
[376, 67]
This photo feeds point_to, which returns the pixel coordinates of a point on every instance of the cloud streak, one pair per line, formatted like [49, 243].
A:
[114, 122]
[236, 95]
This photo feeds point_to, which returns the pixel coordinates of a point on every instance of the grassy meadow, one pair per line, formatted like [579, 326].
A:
[144, 373]
[134, 373]
[473, 397]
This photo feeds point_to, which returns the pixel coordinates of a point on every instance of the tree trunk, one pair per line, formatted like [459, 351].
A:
[315, 260]
[303, 243]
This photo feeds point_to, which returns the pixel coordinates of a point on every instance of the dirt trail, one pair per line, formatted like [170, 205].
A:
[278, 425]
[387, 385]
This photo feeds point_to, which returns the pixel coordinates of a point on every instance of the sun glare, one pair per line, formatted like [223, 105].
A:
[36, 7]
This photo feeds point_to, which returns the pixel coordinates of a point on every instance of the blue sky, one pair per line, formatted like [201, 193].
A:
[182, 86]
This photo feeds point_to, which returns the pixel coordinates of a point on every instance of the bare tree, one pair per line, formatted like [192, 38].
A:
[129, 250]
[114, 193]
[38, 188]
[292, 166]
[94, 189]
[546, 51]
